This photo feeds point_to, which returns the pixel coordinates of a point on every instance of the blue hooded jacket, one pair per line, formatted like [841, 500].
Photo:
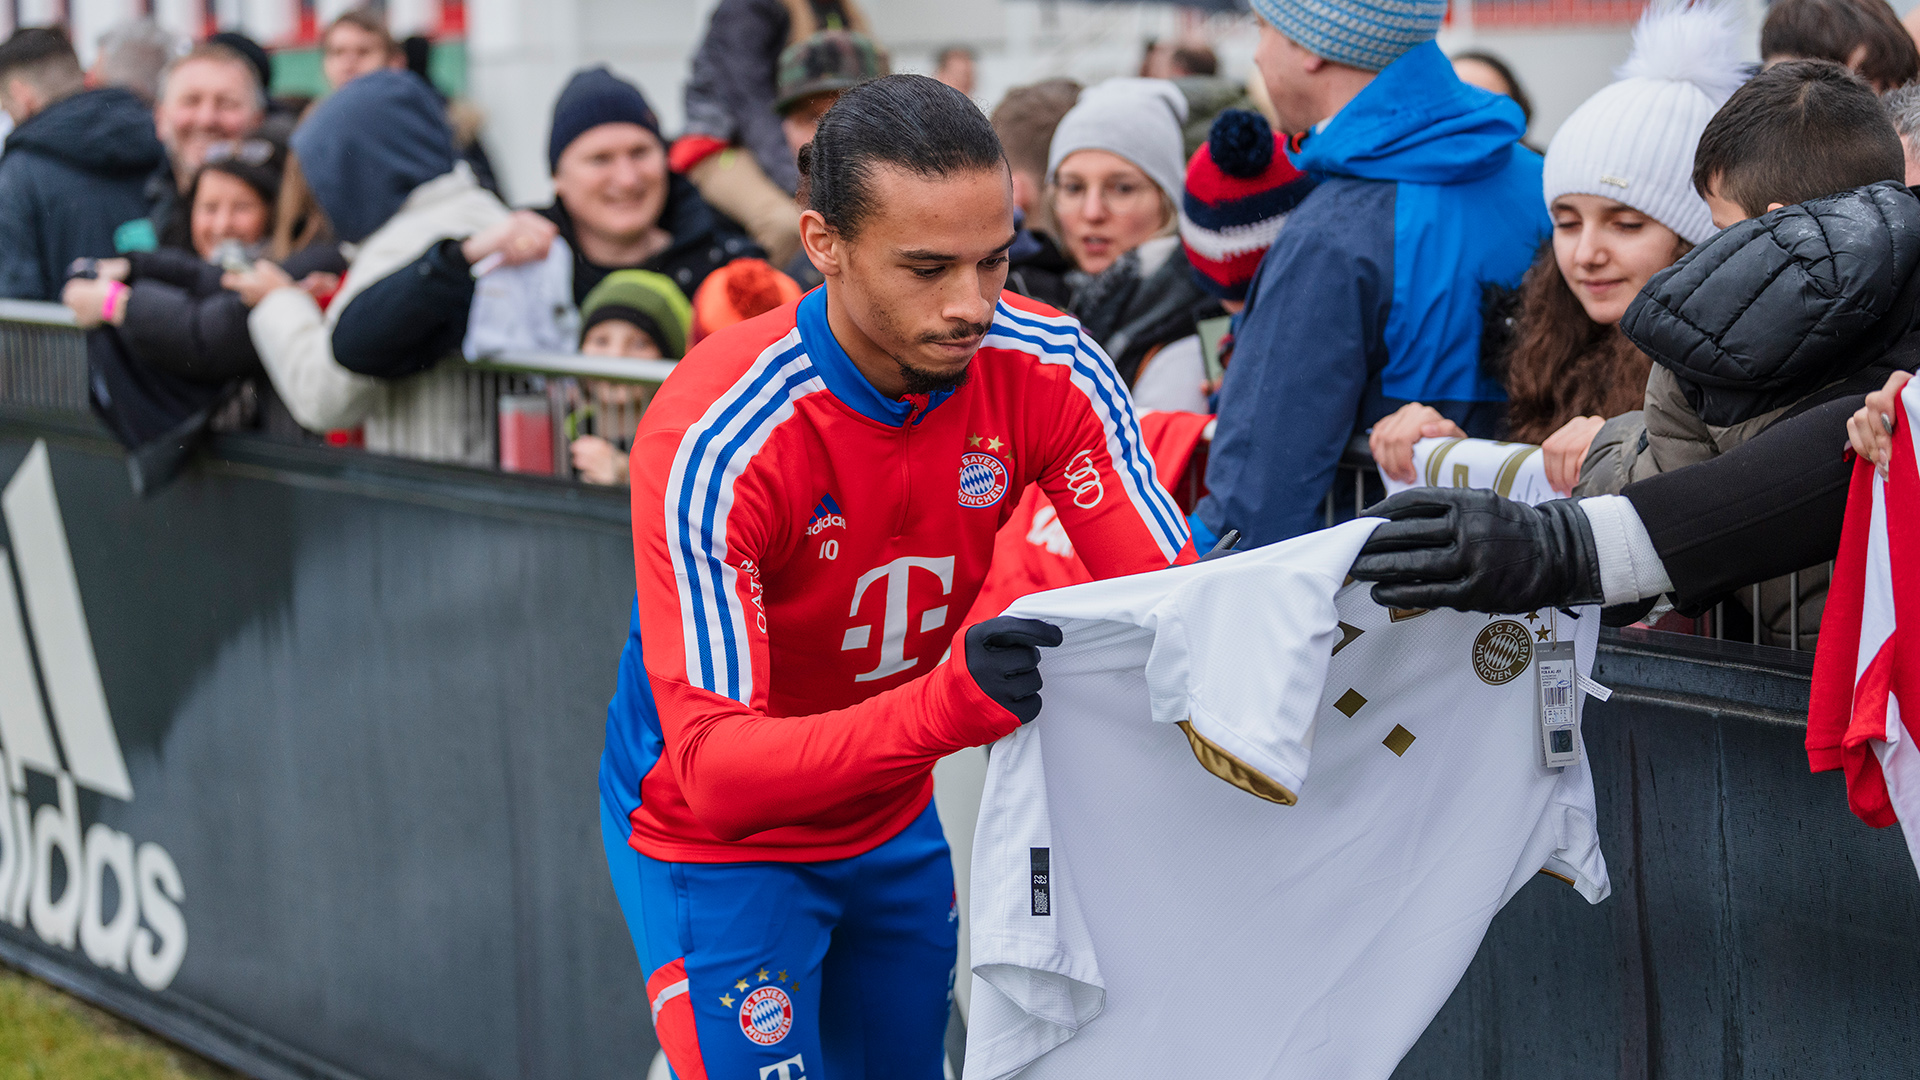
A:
[1371, 295]
[368, 145]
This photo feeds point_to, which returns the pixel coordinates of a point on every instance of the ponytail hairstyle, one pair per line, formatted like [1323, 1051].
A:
[909, 122]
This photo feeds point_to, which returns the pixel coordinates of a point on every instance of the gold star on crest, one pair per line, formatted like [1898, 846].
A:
[763, 974]
[741, 985]
[783, 975]
[995, 443]
[973, 440]
[726, 1000]
[1541, 633]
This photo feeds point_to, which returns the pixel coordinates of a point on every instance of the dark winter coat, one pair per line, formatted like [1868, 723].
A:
[1761, 316]
[411, 318]
[179, 319]
[1140, 290]
[1771, 317]
[1773, 308]
[71, 175]
[732, 80]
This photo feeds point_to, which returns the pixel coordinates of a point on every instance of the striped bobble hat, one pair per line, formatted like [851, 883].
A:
[1240, 187]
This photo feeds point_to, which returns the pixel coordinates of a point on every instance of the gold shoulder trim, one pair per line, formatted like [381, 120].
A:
[1234, 771]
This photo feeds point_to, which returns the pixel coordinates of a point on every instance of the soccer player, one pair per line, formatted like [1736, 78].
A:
[815, 497]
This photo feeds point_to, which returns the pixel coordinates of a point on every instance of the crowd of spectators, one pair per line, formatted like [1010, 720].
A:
[1358, 241]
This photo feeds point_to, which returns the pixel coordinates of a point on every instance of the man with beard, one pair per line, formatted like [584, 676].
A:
[815, 497]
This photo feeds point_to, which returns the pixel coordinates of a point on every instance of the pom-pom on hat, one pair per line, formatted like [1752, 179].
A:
[1240, 188]
[739, 291]
[1633, 141]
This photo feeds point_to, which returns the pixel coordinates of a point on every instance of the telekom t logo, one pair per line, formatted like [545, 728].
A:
[898, 575]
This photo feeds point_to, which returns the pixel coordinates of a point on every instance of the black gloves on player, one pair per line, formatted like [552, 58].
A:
[1472, 550]
[1003, 656]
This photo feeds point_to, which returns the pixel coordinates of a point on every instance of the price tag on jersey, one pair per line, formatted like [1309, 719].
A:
[1557, 674]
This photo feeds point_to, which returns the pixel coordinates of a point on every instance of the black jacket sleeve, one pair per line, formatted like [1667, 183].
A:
[203, 338]
[405, 322]
[175, 267]
[1768, 507]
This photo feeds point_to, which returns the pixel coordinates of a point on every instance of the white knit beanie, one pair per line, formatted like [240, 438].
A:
[1633, 141]
[1138, 119]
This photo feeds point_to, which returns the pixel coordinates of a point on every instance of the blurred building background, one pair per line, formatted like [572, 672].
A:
[511, 56]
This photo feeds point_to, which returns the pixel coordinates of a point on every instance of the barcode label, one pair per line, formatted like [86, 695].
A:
[1557, 669]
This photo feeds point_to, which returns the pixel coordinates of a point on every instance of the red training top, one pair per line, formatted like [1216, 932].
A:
[805, 549]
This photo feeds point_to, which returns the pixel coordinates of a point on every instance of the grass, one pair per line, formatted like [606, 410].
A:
[47, 1035]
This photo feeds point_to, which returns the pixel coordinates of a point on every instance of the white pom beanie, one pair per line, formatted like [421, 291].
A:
[1137, 119]
[1633, 141]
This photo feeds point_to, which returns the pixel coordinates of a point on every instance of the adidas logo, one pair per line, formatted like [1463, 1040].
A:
[826, 515]
[50, 682]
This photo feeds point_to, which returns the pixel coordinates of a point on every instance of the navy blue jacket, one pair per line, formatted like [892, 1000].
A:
[71, 175]
[1371, 295]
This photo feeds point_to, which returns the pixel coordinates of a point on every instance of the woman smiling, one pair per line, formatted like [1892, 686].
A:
[1619, 185]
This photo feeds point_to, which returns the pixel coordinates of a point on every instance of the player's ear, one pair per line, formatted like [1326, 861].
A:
[821, 242]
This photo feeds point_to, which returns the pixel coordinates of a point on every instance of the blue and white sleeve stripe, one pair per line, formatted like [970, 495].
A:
[699, 497]
[1061, 341]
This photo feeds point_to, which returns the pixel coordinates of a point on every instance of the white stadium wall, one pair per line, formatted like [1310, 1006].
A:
[519, 52]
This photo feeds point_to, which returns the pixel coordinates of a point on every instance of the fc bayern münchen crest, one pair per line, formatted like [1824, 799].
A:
[766, 1015]
[983, 479]
[1502, 651]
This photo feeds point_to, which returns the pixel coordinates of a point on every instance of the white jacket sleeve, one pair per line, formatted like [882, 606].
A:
[295, 344]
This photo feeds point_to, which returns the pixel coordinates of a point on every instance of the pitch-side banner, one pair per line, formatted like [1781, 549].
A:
[287, 773]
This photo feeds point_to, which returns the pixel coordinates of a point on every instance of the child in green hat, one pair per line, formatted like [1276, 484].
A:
[639, 315]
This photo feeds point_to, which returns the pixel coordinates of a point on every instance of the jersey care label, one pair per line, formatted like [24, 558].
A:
[1557, 671]
[1042, 874]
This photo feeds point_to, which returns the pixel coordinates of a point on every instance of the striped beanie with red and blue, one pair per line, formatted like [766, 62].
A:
[1240, 187]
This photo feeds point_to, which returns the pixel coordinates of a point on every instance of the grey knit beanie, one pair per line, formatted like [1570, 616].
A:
[1137, 119]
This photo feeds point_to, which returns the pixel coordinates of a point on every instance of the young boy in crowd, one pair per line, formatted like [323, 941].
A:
[638, 315]
[1809, 292]
[1801, 144]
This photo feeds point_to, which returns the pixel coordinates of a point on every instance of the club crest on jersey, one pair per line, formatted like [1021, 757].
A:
[983, 480]
[766, 1015]
[826, 515]
[1502, 651]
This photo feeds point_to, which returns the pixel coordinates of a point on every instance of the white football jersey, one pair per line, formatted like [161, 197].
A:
[1515, 470]
[1145, 901]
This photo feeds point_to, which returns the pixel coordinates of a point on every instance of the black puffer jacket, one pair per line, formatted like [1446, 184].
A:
[1776, 307]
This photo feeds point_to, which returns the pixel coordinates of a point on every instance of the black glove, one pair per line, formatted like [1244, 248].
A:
[1003, 656]
[1472, 550]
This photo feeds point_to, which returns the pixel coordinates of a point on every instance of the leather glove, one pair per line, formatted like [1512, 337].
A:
[1003, 656]
[1472, 550]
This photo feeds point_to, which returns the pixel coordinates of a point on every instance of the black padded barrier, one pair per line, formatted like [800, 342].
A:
[360, 705]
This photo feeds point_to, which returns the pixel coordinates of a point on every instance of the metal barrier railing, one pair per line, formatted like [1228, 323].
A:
[521, 410]
[43, 357]
[526, 409]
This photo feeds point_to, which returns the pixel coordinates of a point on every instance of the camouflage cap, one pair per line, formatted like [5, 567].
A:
[829, 61]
